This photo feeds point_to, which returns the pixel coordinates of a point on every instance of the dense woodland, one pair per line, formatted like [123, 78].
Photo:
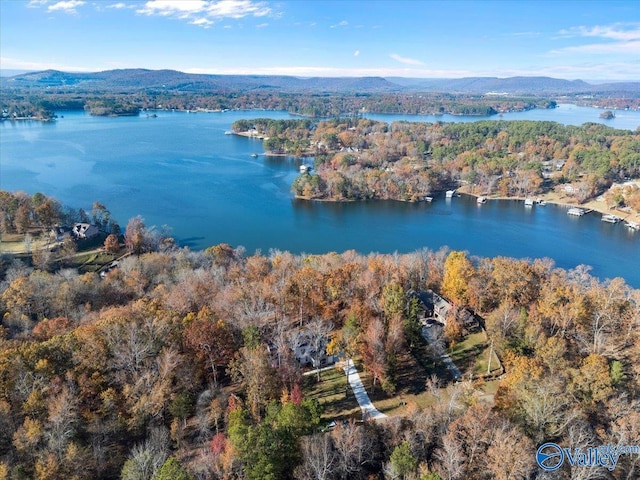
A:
[179, 364]
[42, 104]
[358, 158]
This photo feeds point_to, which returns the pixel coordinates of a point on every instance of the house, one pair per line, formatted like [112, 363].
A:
[311, 350]
[438, 308]
[84, 231]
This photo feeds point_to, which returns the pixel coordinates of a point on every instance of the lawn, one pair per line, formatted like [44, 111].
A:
[14, 243]
[415, 367]
[91, 261]
[471, 355]
[334, 394]
[90, 256]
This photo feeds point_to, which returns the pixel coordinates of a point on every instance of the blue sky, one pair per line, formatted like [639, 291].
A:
[590, 40]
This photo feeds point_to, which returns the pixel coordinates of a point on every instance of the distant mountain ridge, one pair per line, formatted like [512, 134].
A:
[143, 79]
[180, 81]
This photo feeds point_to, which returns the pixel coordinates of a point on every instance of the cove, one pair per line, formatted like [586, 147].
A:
[181, 170]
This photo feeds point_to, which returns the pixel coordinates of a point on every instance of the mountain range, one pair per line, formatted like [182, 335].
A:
[175, 81]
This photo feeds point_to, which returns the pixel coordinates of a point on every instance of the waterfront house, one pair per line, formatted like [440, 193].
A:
[438, 308]
[83, 231]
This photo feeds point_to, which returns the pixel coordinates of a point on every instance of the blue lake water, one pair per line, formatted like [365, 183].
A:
[181, 170]
[566, 114]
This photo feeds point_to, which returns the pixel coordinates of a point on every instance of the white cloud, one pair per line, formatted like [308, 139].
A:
[172, 7]
[405, 60]
[615, 31]
[615, 39]
[202, 22]
[343, 23]
[37, 3]
[68, 6]
[237, 9]
[119, 5]
[262, 25]
[205, 12]
[621, 48]
[356, 53]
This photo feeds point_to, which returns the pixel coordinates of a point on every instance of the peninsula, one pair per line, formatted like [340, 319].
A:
[362, 159]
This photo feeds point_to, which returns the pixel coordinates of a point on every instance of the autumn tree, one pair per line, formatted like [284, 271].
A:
[214, 342]
[458, 272]
[138, 238]
[252, 369]
[345, 342]
[112, 244]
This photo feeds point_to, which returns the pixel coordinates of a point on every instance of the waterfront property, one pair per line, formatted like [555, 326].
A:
[633, 225]
[182, 171]
[438, 308]
[610, 218]
[84, 231]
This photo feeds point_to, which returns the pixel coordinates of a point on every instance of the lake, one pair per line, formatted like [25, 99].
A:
[181, 170]
[566, 114]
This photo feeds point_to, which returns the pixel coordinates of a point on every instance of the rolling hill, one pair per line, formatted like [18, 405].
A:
[172, 80]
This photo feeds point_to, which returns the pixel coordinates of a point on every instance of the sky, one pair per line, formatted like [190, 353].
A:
[585, 39]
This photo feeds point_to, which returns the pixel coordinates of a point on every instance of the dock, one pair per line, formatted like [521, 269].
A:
[576, 212]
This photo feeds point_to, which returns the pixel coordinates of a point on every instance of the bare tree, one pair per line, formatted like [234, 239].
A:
[354, 448]
[319, 460]
[318, 331]
[450, 458]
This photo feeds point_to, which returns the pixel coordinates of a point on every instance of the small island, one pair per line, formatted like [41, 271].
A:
[111, 108]
[607, 115]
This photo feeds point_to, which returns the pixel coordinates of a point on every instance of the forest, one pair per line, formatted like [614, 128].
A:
[181, 364]
[36, 103]
[358, 158]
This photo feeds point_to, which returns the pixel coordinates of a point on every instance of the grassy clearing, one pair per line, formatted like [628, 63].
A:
[90, 256]
[413, 369]
[13, 243]
[334, 394]
[416, 367]
[471, 355]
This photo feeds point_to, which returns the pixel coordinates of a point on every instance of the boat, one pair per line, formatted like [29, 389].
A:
[228, 132]
[541, 202]
[633, 225]
[610, 218]
[528, 202]
[428, 199]
[304, 168]
[481, 200]
[575, 211]
[254, 155]
[450, 193]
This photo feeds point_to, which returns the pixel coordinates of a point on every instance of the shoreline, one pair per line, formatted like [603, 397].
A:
[554, 198]
[550, 198]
